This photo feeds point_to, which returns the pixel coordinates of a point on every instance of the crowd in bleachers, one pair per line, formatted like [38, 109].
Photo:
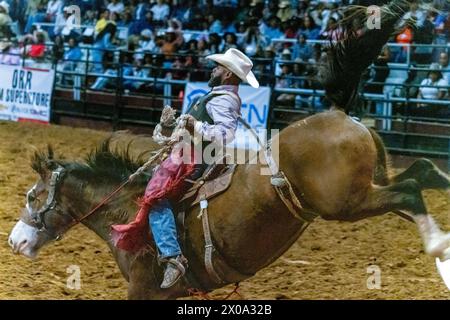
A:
[147, 38]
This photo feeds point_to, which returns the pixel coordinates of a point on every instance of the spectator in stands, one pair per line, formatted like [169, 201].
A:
[432, 87]
[140, 10]
[309, 28]
[115, 18]
[181, 11]
[32, 7]
[58, 49]
[285, 11]
[5, 20]
[284, 81]
[61, 22]
[35, 47]
[170, 45]
[203, 51]
[137, 71]
[161, 11]
[36, 11]
[322, 15]
[404, 37]
[267, 10]
[103, 42]
[243, 11]
[54, 7]
[136, 27]
[89, 18]
[302, 50]
[70, 59]
[414, 14]
[378, 75]
[176, 26]
[102, 21]
[17, 13]
[230, 41]
[116, 6]
[179, 68]
[146, 44]
[317, 53]
[252, 41]
[286, 56]
[424, 34]
[303, 8]
[332, 31]
[126, 19]
[444, 66]
[290, 28]
[272, 30]
[440, 33]
[215, 24]
[214, 43]
[111, 71]
[9, 53]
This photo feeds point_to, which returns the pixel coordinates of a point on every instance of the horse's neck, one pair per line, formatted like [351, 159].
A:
[117, 211]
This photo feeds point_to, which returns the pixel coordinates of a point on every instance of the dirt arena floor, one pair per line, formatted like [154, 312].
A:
[330, 261]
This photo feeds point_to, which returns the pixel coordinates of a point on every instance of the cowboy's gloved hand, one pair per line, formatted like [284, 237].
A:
[190, 124]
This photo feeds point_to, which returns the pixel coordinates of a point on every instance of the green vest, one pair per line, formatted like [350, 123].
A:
[198, 109]
[199, 112]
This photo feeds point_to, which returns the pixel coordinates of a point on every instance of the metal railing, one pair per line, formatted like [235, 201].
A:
[162, 89]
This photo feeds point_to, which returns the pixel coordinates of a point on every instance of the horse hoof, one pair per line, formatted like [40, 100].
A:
[439, 246]
[444, 269]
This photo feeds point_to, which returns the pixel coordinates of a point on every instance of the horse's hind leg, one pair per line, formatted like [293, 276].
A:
[406, 195]
[426, 173]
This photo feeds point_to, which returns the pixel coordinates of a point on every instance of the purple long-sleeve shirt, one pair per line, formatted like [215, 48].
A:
[224, 110]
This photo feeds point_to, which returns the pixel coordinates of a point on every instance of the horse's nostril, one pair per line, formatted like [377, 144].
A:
[10, 242]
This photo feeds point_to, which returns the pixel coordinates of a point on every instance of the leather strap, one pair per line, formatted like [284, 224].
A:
[209, 247]
[293, 204]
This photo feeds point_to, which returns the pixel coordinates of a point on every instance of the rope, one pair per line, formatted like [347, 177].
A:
[205, 296]
[167, 119]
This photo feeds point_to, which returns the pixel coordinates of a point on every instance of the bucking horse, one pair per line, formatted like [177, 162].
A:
[336, 168]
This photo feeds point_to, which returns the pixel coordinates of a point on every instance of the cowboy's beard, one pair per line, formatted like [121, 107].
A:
[215, 81]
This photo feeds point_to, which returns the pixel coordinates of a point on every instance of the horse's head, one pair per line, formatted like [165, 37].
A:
[44, 218]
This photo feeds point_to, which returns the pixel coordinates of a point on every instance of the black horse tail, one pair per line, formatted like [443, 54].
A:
[360, 43]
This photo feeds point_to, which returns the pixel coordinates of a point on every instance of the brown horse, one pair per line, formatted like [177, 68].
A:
[337, 168]
[330, 159]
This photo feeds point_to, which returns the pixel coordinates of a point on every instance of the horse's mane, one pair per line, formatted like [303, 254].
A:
[111, 164]
[357, 48]
[103, 164]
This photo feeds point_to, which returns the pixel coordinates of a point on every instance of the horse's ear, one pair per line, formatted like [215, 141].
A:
[43, 163]
[50, 153]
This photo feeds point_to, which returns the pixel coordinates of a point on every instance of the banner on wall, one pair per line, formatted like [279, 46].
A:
[25, 93]
[254, 110]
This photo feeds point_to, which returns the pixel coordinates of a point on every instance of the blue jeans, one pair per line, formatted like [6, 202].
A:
[162, 223]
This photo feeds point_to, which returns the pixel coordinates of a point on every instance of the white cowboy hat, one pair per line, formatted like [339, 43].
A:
[5, 6]
[238, 63]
